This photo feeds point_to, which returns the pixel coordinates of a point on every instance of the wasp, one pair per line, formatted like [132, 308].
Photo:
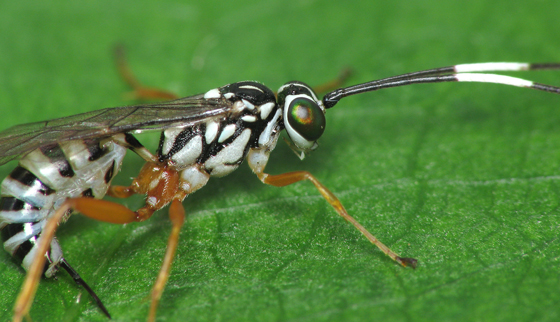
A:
[66, 165]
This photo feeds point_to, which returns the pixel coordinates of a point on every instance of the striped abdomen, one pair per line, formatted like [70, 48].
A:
[42, 181]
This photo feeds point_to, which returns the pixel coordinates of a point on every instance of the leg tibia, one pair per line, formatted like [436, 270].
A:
[177, 217]
[293, 177]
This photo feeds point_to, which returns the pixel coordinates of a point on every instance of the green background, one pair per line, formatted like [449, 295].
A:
[463, 177]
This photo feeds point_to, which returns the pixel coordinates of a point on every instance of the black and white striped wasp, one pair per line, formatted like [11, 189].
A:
[67, 164]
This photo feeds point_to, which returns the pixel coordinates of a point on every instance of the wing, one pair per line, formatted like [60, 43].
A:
[187, 111]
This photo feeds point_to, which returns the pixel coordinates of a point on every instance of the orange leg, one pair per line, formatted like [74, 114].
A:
[106, 211]
[293, 177]
[97, 209]
[142, 92]
[139, 90]
[27, 293]
[115, 213]
[120, 191]
[335, 83]
[165, 191]
[177, 217]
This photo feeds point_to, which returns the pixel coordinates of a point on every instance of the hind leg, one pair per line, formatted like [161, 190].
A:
[98, 209]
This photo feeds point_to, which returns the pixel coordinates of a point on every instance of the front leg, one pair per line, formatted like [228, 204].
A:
[257, 161]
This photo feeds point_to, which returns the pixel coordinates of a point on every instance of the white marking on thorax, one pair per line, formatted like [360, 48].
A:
[249, 105]
[229, 95]
[211, 131]
[266, 109]
[249, 118]
[189, 153]
[192, 179]
[227, 132]
[238, 107]
[218, 164]
[213, 93]
[267, 132]
[170, 137]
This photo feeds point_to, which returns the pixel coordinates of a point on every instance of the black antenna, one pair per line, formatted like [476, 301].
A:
[457, 73]
[83, 283]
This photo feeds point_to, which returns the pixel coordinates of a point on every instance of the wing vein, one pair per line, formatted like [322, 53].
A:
[188, 111]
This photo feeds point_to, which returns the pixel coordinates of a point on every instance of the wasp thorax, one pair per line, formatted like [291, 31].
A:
[304, 115]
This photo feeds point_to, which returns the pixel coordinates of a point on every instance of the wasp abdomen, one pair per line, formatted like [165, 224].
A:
[42, 181]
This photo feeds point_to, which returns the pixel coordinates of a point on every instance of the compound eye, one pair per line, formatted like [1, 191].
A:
[306, 118]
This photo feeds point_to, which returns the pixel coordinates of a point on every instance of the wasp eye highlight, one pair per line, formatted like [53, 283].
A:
[306, 118]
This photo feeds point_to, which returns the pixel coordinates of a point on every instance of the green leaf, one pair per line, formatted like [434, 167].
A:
[463, 177]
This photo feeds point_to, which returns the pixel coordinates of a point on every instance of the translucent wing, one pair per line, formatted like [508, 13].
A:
[187, 111]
